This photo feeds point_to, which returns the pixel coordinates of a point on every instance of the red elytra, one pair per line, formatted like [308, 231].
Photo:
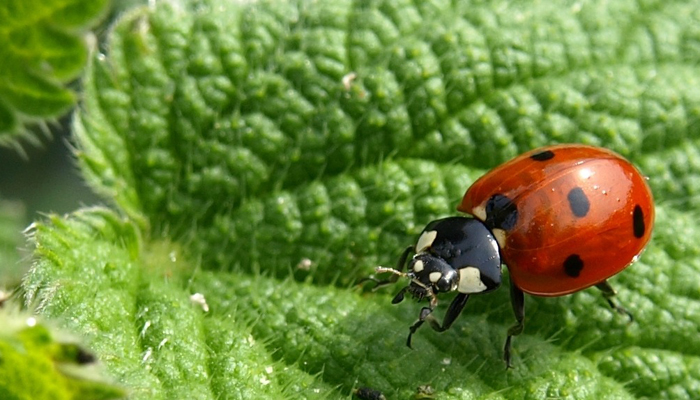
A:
[579, 204]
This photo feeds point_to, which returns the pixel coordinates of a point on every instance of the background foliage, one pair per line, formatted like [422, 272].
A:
[267, 155]
[42, 51]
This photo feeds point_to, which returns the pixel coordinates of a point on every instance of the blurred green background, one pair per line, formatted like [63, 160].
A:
[38, 174]
[44, 177]
[38, 179]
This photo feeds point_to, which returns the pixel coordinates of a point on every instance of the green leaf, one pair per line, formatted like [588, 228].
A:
[141, 319]
[43, 48]
[268, 155]
[12, 220]
[40, 362]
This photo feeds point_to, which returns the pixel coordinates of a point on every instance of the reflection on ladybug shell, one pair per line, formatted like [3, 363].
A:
[566, 216]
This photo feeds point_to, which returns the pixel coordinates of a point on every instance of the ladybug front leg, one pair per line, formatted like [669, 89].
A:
[451, 315]
[517, 300]
[396, 273]
[608, 294]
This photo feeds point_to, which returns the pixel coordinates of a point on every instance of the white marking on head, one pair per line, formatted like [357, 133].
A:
[479, 212]
[470, 281]
[500, 236]
[435, 276]
[425, 240]
[418, 266]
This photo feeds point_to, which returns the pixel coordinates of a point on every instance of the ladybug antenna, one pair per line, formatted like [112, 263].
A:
[381, 270]
[409, 275]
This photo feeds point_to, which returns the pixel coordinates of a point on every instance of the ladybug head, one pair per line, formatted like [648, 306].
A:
[431, 273]
[429, 276]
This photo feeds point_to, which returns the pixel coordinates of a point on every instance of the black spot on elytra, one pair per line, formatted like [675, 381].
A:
[638, 222]
[573, 265]
[501, 213]
[543, 155]
[578, 202]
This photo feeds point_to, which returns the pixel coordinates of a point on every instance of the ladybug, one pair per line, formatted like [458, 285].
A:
[562, 218]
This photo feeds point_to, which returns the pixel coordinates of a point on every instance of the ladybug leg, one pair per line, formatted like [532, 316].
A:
[424, 313]
[400, 265]
[517, 300]
[399, 296]
[451, 315]
[608, 294]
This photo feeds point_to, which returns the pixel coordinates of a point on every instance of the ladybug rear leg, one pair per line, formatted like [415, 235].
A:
[608, 294]
[517, 300]
[451, 315]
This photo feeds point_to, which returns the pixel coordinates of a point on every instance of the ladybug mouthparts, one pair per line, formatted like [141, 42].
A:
[418, 291]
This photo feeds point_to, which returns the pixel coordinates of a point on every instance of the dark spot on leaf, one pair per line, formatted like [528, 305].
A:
[84, 357]
[365, 393]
